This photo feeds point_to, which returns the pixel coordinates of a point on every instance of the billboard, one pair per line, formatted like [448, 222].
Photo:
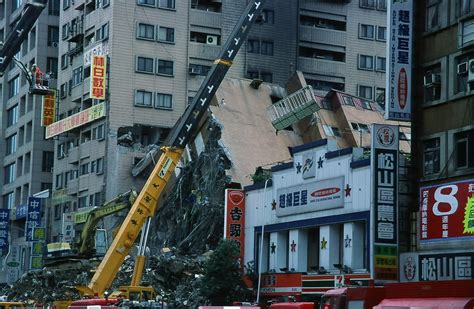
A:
[98, 74]
[48, 112]
[398, 95]
[86, 116]
[447, 211]
[384, 165]
[309, 197]
[234, 217]
[101, 49]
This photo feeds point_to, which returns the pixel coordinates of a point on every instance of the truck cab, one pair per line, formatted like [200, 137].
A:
[352, 298]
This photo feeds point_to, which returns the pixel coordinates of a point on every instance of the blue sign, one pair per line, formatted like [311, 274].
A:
[21, 211]
[33, 218]
[4, 230]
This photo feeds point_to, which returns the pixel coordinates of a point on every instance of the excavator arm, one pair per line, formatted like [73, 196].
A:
[86, 243]
[12, 43]
[186, 128]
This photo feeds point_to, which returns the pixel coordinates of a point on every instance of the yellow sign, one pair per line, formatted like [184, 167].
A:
[98, 74]
[37, 248]
[39, 233]
[88, 115]
[80, 217]
[48, 114]
[469, 216]
[36, 262]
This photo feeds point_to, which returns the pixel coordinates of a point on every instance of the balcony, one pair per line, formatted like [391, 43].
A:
[322, 35]
[293, 108]
[205, 18]
[322, 66]
[76, 30]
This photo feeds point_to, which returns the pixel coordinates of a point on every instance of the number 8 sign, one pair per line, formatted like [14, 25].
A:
[447, 211]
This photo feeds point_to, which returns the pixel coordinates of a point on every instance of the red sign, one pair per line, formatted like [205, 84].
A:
[281, 284]
[447, 210]
[98, 72]
[235, 218]
[325, 192]
[48, 114]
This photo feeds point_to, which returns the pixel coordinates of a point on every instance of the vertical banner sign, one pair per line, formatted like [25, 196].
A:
[399, 51]
[98, 72]
[234, 218]
[33, 217]
[447, 211]
[384, 165]
[37, 248]
[68, 228]
[4, 231]
[48, 113]
[13, 265]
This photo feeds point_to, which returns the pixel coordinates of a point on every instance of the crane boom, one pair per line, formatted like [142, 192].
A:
[146, 204]
[31, 12]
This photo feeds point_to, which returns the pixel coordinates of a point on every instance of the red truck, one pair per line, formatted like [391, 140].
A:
[429, 294]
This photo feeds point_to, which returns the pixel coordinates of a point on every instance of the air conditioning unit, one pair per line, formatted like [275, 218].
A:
[432, 79]
[462, 68]
[470, 75]
[55, 44]
[211, 39]
[194, 70]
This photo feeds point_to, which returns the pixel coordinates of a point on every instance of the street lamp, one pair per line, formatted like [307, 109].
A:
[261, 243]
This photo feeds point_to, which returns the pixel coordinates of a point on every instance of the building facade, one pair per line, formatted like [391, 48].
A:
[444, 116]
[26, 156]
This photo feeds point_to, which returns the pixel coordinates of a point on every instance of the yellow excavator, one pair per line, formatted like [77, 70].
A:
[145, 206]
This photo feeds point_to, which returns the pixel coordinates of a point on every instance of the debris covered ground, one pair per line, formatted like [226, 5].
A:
[186, 228]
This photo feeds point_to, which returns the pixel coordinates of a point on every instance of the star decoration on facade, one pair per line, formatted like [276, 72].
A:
[272, 248]
[274, 205]
[347, 242]
[293, 246]
[298, 168]
[348, 190]
[320, 162]
[324, 244]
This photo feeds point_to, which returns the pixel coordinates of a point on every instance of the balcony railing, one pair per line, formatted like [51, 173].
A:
[293, 108]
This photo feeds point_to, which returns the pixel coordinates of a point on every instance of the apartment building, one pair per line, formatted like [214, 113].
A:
[444, 117]
[26, 157]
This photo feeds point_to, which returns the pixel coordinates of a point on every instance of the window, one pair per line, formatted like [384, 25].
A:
[143, 98]
[267, 48]
[266, 77]
[105, 3]
[53, 7]
[365, 92]
[253, 46]
[369, 4]
[432, 83]
[431, 156]
[198, 69]
[166, 34]
[147, 2]
[380, 64]
[63, 91]
[66, 4]
[82, 202]
[65, 31]
[164, 100]
[331, 131]
[165, 67]
[145, 65]
[52, 65]
[99, 132]
[348, 100]
[380, 95]
[464, 7]
[366, 31]
[9, 200]
[324, 85]
[366, 62]
[48, 159]
[76, 76]
[10, 172]
[12, 116]
[381, 33]
[53, 36]
[146, 31]
[382, 5]
[14, 87]
[268, 16]
[100, 165]
[16, 4]
[166, 4]
[84, 169]
[464, 147]
[432, 14]
[11, 144]
[104, 31]
[366, 104]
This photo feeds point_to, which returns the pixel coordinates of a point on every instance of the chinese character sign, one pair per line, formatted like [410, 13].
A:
[33, 218]
[4, 230]
[235, 218]
[384, 164]
[399, 66]
[48, 114]
[447, 211]
[98, 74]
[68, 228]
